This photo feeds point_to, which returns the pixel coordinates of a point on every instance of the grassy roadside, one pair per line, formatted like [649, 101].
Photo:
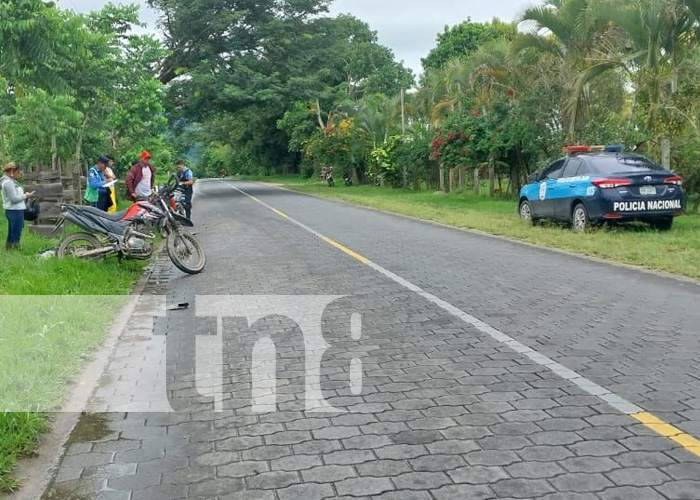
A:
[55, 313]
[676, 251]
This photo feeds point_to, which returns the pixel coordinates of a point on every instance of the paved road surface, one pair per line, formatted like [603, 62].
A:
[452, 404]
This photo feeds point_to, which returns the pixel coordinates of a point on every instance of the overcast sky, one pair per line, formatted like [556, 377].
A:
[408, 27]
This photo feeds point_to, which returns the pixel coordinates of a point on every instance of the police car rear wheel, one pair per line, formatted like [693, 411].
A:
[526, 212]
[581, 222]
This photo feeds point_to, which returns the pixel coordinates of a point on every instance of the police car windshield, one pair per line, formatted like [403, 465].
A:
[612, 164]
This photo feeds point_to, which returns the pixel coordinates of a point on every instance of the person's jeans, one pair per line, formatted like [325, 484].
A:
[15, 224]
[187, 202]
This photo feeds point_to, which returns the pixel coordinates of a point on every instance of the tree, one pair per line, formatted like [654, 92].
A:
[30, 45]
[76, 85]
[288, 57]
[458, 42]
[42, 127]
[201, 31]
[573, 31]
[652, 42]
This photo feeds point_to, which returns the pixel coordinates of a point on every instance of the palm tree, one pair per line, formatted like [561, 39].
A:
[379, 116]
[572, 30]
[652, 41]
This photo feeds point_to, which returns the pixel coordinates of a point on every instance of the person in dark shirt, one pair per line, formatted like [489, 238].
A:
[185, 178]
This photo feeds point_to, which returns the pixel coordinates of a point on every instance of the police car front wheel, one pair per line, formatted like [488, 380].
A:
[526, 212]
[579, 218]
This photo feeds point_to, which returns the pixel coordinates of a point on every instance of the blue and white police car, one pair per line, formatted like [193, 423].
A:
[602, 183]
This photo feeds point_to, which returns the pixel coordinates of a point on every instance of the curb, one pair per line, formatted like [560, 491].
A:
[478, 232]
[36, 474]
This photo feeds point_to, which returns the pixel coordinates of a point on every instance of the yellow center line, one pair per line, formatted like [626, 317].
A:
[345, 249]
[331, 242]
[688, 442]
[281, 214]
[649, 420]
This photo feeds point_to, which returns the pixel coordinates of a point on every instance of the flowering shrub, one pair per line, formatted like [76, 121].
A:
[342, 146]
[458, 142]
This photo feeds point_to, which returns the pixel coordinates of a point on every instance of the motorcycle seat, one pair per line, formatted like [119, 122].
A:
[116, 217]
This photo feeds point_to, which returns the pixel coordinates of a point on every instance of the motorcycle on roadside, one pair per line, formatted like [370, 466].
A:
[130, 234]
[329, 177]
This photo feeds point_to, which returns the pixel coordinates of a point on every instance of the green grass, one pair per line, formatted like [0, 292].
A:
[676, 251]
[55, 313]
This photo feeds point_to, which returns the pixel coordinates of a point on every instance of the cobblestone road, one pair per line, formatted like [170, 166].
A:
[444, 411]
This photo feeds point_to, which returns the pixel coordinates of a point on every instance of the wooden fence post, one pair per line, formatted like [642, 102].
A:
[453, 180]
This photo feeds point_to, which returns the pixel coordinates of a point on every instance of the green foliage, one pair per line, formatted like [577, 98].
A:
[281, 54]
[453, 145]
[77, 85]
[461, 40]
[19, 433]
[42, 125]
[343, 146]
[30, 45]
[298, 123]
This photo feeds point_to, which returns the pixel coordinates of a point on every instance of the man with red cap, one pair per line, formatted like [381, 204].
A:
[141, 179]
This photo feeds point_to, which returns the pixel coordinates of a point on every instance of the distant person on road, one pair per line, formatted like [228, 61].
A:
[95, 192]
[141, 179]
[14, 203]
[185, 179]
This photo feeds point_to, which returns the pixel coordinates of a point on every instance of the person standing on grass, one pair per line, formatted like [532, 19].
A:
[185, 178]
[95, 191]
[109, 177]
[14, 203]
[141, 179]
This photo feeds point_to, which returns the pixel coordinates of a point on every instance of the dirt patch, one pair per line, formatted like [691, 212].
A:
[61, 494]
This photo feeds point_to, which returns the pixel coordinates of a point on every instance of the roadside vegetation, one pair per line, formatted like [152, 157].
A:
[55, 313]
[496, 102]
[75, 86]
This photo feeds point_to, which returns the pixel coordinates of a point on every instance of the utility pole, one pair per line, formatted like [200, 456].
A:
[404, 170]
[403, 114]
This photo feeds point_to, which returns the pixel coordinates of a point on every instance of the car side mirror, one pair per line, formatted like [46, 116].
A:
[533, 177]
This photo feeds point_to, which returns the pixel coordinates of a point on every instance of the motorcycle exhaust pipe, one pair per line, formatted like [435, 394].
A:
[142, 235]
[95, 253]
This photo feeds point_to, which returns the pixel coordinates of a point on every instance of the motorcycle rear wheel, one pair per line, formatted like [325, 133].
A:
[186, 252]
[78, 241]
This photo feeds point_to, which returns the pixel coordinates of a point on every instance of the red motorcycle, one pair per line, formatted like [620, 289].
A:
[130, 233]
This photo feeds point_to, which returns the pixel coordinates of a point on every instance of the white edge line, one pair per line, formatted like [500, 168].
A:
[511, 239]
[586, 385]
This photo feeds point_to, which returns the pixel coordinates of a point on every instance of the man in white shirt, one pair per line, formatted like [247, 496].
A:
[141, 179]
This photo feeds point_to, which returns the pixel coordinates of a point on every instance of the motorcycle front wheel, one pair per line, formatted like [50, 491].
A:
[186, 252]
[76, 243]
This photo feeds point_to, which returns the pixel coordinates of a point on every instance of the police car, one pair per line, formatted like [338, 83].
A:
[603, 183]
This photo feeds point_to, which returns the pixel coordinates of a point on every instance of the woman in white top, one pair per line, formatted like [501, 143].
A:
[13, 202]
[109, 177]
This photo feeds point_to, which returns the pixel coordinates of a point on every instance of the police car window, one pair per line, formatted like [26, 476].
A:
[554, 171]
[583, 169]
[611, 164]
[572, 168]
